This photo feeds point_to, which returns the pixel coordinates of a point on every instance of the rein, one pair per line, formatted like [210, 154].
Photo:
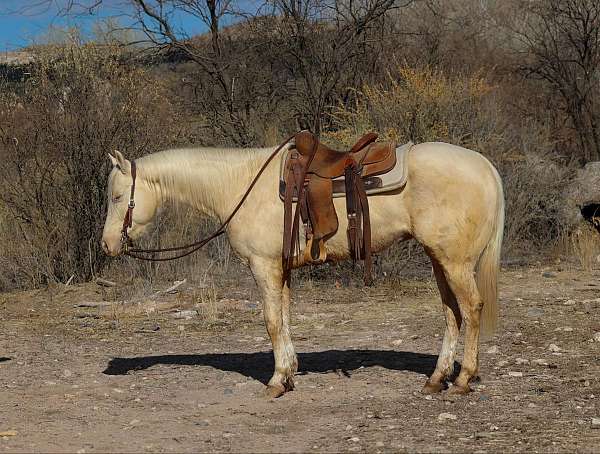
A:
[183, 251]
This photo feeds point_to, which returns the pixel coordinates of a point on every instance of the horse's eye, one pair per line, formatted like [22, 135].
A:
[117, 198]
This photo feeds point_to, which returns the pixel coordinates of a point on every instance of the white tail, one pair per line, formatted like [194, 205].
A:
[488, 267]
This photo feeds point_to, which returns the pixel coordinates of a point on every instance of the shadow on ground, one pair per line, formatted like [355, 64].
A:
[259, 365]
[2, 359]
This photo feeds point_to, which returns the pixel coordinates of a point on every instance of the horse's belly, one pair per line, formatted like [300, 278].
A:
[389, 223]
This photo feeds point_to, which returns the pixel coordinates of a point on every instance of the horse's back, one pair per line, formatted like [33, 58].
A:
[451, 160]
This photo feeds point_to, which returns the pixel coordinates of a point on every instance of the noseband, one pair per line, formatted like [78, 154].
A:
[128, 220]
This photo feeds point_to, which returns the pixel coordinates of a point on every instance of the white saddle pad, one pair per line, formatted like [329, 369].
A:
[394, 180]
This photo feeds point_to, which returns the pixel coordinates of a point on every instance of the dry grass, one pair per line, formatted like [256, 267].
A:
[585, 242]
[208, 304]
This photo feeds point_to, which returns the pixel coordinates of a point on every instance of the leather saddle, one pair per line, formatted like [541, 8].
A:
[312, 173]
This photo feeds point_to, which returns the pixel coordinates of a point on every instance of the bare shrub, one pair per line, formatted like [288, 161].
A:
[429, 105]
[560, 46]
[79, 103]
[420, 105]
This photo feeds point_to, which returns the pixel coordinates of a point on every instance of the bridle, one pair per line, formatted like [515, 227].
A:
[128, 220]
[181, 251]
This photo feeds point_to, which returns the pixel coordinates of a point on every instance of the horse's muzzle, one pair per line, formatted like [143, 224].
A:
[111, 250]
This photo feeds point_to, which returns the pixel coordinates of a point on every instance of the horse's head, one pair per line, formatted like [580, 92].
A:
[119, 192]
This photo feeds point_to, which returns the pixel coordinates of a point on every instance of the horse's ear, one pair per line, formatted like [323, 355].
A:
[119, 161]
[113, 160]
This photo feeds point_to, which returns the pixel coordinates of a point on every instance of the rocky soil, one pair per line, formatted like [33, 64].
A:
[186, 371]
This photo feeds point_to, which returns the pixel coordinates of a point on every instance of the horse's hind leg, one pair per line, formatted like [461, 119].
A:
[276, 306]
[461, 281]
[445, 362]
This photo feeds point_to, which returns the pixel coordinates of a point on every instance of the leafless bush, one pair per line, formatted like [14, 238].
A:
[560, 45]
[429, 105]
[79, 103]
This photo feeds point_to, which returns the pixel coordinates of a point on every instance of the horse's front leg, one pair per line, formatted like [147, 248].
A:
[268, 275]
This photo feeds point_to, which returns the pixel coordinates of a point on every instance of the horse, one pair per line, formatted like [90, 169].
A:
[452, 204]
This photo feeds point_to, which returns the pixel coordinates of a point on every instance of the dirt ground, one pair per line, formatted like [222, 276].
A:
[143, 377]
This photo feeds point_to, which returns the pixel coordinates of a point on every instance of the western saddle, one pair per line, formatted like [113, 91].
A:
[312, 172]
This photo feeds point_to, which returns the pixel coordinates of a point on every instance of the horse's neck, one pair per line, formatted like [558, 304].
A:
[201, 180]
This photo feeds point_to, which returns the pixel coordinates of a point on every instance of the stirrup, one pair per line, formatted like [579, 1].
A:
[316, 256]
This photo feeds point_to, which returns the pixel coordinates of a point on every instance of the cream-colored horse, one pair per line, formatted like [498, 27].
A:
[452, 204]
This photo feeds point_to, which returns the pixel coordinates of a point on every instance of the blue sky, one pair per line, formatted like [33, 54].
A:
[24, 21]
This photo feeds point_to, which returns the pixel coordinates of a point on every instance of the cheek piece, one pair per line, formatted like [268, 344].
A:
[128, 220]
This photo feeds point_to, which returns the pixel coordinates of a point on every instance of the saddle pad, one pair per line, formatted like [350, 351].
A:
[393, 180]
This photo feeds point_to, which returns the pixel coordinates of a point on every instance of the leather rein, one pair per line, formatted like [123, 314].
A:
[182, 251]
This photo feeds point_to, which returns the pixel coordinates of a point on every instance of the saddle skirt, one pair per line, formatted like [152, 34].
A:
[392, 181]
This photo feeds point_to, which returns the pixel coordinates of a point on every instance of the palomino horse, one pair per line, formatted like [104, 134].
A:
[452, 204]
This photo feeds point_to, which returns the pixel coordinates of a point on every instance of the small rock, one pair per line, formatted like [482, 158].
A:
[539, 362]
[502, 363]
[569, 303]
[259, 339]
[397, 342]
[596, 423]
[379, 444]
[67, 373]
[484, 397]
[548, 275]
[133, 422]
[553, 348]
[535, 312]
[446, 416]
[597, 336]
[493, 350]
[567, 329]
[522, 361]
[515, 374]
[355, 439]
[8, 433]
[348, 427]
[228, 391]
[187, 315]
[202, 423]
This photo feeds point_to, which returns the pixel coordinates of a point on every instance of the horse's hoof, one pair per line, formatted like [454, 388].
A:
[457, 390]
[432, 387]
[274, 391]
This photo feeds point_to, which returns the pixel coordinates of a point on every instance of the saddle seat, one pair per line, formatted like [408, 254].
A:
[312, 175]
[329, 163]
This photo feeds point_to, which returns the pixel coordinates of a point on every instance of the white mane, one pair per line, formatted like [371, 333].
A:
[185, 174]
